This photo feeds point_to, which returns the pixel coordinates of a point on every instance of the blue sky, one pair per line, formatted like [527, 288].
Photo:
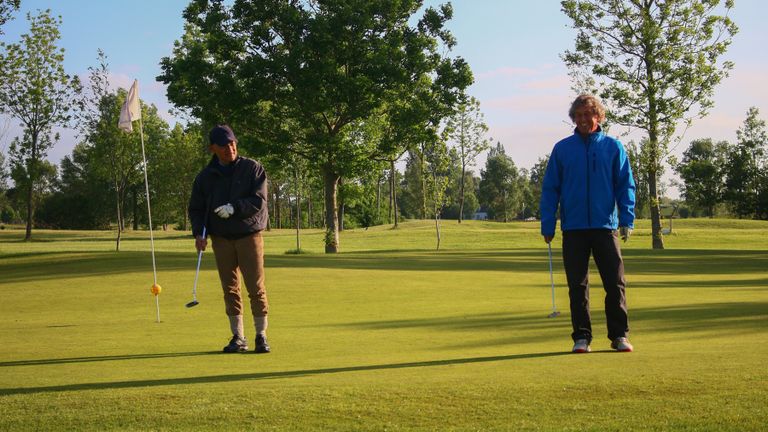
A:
[513, 47]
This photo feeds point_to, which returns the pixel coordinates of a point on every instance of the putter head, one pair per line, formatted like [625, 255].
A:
[193, 303]
[553, 314]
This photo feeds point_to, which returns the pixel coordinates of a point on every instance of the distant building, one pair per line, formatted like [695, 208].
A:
[480, 215]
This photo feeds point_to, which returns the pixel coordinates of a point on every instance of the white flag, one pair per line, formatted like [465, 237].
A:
[131, 109]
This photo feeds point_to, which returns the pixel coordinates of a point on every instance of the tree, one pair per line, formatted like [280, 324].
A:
[655, 63]
[499, 186]
[115, 156]
[468, 130]
[412, 188]
[175, 163]
[295, 75]
[745, 166]
[35, 90]
[81, 199]
[34, 179]
[702, 172]
[7, 8]
[536, 182]
[438, 174]
[635, 156]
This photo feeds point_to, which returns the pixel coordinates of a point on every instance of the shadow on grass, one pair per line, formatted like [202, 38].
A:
[266, 375]
[735, 317]
[102, 358]
[643, 262]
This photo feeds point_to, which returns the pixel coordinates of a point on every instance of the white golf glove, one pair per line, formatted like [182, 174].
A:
[625, 232]
[224, 211]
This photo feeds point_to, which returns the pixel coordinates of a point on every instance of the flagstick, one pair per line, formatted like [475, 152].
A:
[149, 214]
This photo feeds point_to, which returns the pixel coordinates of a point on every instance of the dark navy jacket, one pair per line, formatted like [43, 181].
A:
[243, 184]
[590, 181]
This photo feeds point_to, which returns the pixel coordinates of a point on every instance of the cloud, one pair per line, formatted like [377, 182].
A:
[556, 82]
[506, 72]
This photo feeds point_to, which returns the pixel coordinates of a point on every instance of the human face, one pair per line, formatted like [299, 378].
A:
[226, 154]
[586, 120]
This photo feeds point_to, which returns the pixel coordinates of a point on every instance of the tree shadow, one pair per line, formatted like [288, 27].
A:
[58, 361]
[215, 379]
[52, 265]
[727, 318]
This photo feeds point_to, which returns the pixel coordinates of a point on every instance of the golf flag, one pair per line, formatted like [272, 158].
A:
[131, 109]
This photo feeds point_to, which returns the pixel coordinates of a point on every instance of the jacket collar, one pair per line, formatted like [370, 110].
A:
[213, 165]
[596, 134]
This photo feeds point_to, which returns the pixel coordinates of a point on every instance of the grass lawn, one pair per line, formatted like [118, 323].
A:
[387, 335]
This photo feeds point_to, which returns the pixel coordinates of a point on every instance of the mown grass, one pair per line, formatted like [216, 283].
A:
[388, 335]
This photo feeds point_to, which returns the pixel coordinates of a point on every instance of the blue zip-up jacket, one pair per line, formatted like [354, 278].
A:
[590, 180]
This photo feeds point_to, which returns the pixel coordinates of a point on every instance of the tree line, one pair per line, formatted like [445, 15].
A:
[332, 95]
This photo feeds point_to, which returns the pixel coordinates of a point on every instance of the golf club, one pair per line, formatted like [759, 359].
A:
[194, 301]
[552, 281]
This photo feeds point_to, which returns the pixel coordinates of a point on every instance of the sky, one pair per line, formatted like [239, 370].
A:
[512, 46]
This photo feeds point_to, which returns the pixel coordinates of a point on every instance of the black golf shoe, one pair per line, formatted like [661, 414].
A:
[236, 344]
[262, 347]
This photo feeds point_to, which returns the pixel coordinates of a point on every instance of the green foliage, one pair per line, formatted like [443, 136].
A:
[412, 196]
[500, 186]
[35, 90]
[467, 129]
[296, 76]
[536, 181]
[746, 169]
[655, 63]
[175, 163]
[82, 200]
[7, 8]
[702, 171]
[34, 178]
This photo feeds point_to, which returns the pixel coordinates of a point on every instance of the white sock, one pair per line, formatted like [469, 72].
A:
[261, 325]
[236, 325]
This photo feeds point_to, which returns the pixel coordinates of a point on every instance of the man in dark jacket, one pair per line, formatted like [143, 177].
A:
[589, 179]
[229, 201]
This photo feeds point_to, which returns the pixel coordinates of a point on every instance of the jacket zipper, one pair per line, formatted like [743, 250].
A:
[589, 205]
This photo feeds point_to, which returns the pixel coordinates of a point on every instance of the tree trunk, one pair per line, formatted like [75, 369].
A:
[31, 174]
[331, 181]
[378, 197]
[461, 192]
[340, 200]
[423, 187]
[657, 239]
[298, 211]
[278, 222]
[394, 191]
[391, 191]
[119, 223]
[653, 195]
[135, 210]
[30, 194]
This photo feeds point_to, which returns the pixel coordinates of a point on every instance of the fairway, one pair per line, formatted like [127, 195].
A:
[387, 335]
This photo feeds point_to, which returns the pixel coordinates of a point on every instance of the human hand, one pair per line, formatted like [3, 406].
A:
[548, 239]
[201, 243]
[224, 211]
[624, 233]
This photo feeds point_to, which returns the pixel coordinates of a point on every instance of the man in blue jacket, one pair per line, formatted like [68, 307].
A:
[588, 178]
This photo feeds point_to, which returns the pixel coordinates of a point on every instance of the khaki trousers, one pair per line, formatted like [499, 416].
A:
[246, 255]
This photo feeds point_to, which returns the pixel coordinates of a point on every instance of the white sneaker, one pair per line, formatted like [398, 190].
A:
[621, 344]
[581, 346]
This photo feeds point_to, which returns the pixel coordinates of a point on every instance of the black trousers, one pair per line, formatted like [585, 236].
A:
[578, 245]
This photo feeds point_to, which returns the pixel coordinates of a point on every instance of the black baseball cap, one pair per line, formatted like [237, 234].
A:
[221, 135]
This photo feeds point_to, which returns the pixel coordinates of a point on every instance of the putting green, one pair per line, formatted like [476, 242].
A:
[387, 335]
